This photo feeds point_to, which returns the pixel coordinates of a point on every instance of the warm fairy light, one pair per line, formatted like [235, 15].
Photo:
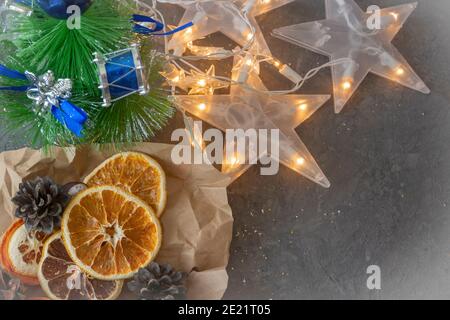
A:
[176, 79]
[189, 31]
[300, 161]
[202, 106]
[395, 15]
[265, 1]
[249, 36]
[303, 106]
[277, 63]
[199, 143]
[234, 161]
[399, 71]
[249, 62]
[201, 82]
[346, 85]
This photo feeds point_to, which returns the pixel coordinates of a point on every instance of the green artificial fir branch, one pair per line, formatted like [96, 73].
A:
[17, 115]
[47, 43]
[43, 43]
[135, 118]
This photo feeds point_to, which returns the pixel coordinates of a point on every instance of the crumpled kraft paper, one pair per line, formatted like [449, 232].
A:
[197, 223]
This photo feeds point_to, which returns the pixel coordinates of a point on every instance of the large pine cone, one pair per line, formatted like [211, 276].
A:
[10, 289]
[40, 203]
[158, 282]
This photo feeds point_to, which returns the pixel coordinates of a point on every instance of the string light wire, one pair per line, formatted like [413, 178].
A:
[185, 60]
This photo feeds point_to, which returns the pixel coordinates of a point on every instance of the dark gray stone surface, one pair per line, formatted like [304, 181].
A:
[387, 156]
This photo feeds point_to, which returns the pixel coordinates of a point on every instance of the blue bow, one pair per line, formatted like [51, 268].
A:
[158, 26]
[68, 114]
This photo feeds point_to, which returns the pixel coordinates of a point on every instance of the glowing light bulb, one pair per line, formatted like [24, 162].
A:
[249, 62]
[234, 161]
[346, 85]
[300, 161]
[201, 82]
[202, 106]
[265, 1]
[176, 79]
[249, 36]
[189, 31]
[303, 106]
[395, 15]
[199, 143]
[399, 71]
[276, 63]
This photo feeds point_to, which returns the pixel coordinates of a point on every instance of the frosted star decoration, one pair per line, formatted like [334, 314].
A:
[259, 8]
[344, 34]
[197, 82]
[227, 17]
[245, 109]
[204, 84]
[209, 17]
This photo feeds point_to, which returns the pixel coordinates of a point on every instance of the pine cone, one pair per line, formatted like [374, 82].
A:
[41, 203]
[158, 282]
[10, 289]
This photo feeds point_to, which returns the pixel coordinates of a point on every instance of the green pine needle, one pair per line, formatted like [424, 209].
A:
[134, 119]
[48, 44]
[45, 43]
[40, 131]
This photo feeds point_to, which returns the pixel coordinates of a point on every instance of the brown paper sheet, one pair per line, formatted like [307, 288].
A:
[197, 223]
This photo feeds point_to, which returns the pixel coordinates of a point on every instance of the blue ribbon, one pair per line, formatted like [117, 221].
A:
[71, 116]
[68, 114]
[159, 26]
[12, 74]
[15, 88]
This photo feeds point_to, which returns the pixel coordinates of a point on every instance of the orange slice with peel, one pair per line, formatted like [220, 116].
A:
[61, 279]
[135, 173]
[109, 233]
[20, 252]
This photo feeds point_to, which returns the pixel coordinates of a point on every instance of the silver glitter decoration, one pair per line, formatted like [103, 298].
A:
[46, 91]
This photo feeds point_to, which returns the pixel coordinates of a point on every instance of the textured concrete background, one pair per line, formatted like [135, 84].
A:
[387, 156]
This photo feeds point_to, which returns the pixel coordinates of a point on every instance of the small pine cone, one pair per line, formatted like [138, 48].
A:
[158, 282]
[40, 203]
[10, 289]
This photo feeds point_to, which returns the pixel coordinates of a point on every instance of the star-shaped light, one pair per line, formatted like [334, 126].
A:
[211, 16]
[245, 109]
[261, 7]
[345, 34]
[174, 76]
[204, 84]
[197, 82]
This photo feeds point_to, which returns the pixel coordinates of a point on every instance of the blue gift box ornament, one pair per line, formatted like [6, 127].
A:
[121, 74]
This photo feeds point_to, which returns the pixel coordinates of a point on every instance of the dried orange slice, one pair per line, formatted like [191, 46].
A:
[136, 173]
[62, 279]
[20, 252]
[110, 233]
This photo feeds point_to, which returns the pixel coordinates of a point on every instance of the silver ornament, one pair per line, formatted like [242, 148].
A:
[46, 92]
